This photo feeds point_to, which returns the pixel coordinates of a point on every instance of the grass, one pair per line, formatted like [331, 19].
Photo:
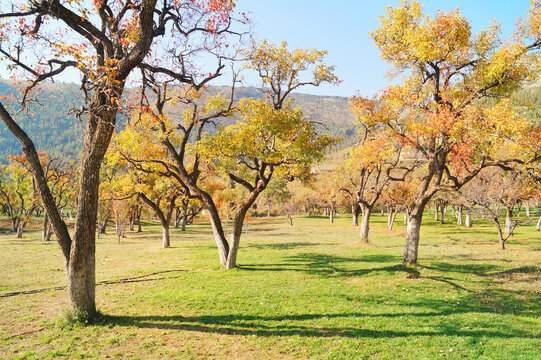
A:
[307, 291]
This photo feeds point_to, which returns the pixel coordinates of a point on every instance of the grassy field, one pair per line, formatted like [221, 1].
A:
[306, 291]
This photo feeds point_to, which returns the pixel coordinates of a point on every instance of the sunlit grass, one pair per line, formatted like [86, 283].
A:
[310, 290]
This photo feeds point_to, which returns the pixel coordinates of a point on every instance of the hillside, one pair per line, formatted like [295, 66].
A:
[55, 130]
[48, 123]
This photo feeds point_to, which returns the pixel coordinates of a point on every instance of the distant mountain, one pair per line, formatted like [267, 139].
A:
[55, 130]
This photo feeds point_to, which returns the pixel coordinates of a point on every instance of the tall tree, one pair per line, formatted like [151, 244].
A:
[104, 40]
[436, 110]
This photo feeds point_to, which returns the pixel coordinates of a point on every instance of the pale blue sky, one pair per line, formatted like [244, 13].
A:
[342, 27]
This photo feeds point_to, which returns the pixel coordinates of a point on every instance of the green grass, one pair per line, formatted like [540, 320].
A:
[307, 291]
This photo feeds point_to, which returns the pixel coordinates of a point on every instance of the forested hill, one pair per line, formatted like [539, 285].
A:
[48, 123]
[55, 130]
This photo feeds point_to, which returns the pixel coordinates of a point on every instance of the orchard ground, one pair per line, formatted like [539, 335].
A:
[310, 290]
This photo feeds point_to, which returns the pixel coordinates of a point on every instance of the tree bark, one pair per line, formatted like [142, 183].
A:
[528, 212]
[412, 237]
[331, 214]
[166, 240]
[365, 222]
[538, 226]
[459, 215]
[355, 214]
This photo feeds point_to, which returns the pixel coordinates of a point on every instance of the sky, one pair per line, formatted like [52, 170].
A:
[342, 27]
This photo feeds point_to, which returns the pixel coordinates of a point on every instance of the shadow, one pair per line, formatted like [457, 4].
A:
[332, 266]
[134, 279]
[434, 315]
[447, 281]
[281, 246]
[477, 269]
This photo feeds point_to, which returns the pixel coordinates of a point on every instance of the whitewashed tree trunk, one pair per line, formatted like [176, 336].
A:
[468, 223]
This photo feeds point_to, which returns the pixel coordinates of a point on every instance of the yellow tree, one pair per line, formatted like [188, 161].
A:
[437, 110]
[376, 161]
[271, 136]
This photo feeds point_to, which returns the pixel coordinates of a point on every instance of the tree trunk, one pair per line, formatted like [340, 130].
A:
[131, 219]
[331, 214]
[46, 228]
[501, 239]
[102, 227]
[442, 209]
[185, 204]
[269, 206]
[412, 237]
[392, 217]
[118, 228]
[139, 228]
[82, 261]
[437, 213]
[166, 240]
[289, 219]
[22, 224]
[508, 221]
[528, 212]
[459, 215]
[365, 222]
[406, 216]
[355, 214]
[218, 232]
[538, 226]
[238, 223]
[468, 220]
[20, 230]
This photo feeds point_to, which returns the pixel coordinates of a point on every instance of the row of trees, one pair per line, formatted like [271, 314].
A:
[435, 126]
[165, 42]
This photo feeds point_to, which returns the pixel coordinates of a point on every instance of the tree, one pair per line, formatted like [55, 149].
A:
[377, 161]
[437, 111]
[105, 41]
[395, 198]
[490, 190]
[18, 197]
[270, 134]
[275, 193]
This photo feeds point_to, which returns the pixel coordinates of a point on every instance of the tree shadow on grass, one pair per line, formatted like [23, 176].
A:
[332, 266]
[281, 246]
[433, 314]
